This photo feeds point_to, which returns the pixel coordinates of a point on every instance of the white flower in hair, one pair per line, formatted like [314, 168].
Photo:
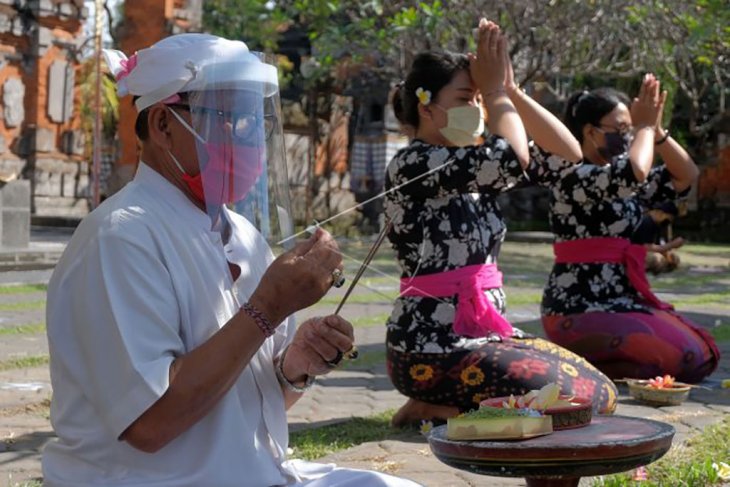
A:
[424, 96]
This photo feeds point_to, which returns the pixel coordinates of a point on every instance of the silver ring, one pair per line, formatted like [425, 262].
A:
[337, 278]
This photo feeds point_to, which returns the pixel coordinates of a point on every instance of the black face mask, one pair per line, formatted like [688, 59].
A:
[616, 144]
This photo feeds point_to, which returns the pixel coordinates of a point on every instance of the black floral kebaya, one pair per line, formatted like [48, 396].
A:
[589, 200]
[445, 216]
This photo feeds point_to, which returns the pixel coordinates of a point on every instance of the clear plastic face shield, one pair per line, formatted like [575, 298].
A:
[235, 119]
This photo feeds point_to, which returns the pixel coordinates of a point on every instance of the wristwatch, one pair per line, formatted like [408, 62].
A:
[309, 382]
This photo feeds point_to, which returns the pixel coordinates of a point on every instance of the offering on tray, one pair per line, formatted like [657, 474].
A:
[660, 391]
[541, 399]
[567, 411]
[659, 382]
[490, 423]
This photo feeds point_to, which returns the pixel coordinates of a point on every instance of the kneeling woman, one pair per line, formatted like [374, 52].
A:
[598, 302]
[448, 344]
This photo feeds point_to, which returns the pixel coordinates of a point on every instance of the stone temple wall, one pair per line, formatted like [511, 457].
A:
[146, 22]
[40, 136]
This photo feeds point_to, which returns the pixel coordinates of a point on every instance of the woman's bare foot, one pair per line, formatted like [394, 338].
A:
[415, 411]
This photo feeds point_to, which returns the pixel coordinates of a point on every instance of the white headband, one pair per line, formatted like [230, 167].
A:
[188, 62]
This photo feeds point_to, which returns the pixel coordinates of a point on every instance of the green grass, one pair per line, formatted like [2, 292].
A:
[23, 289]
[23, 305]
[680, 281]
[523, 299]
[536, 281]
[315, 443]
[359, 298]
[29, 329]
[717, 299]
[365, 360]
[372, 320]
[24, 362]
[687, 465]
[721, 333]
[709, 249]
[534, 327]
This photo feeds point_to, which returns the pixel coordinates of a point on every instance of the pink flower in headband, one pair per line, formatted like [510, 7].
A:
[127, 66]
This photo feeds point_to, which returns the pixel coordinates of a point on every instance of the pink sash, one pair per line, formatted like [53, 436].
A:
[475, 315]
[611, 250]
[616, 250]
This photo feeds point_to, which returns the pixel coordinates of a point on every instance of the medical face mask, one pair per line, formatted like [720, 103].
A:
[463, 124]
[616, 144]
[227, 175]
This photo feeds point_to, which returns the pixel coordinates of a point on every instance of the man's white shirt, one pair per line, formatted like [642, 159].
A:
[145, 280]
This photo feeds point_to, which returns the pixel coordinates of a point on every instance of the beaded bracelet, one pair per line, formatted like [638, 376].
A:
[286, 382]
[258, 317]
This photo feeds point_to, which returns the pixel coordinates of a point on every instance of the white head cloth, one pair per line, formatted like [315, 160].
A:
[173, 65]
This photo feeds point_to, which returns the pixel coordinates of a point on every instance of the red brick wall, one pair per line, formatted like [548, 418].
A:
[145, 22]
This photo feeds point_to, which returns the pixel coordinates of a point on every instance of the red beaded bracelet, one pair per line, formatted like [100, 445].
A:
[261, 321]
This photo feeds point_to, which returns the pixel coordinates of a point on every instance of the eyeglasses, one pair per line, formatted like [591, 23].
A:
[622, 129]
[246, 128]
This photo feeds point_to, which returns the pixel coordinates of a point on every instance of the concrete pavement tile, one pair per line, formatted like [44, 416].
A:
[22, 439]
[23, 345]
[630, 407]
[412, 459]
[721, 408]
[21, 387]
[682, 433]
[22, 297]
[35, 374]
[715, 396]
[40, 276]
[700, 422]
[341, 380]
[438, 479]
[11, 319]
[685, 409]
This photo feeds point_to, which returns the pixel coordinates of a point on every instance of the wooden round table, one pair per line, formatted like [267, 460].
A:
[609, 444]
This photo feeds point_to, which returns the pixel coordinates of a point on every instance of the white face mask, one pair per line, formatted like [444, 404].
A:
[463, 125]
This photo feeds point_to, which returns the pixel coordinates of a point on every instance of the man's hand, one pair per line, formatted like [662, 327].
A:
[317, 341]
[298, 278]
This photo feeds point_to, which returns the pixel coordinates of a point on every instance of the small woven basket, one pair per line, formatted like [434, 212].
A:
[666, 396]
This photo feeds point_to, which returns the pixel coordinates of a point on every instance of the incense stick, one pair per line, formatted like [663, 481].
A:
[364, 265]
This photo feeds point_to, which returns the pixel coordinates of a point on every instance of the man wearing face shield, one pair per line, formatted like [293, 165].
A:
[174, 355]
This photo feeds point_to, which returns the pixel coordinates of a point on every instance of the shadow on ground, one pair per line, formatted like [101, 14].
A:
[24, 446]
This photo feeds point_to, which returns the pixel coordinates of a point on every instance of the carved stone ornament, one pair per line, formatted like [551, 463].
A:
[60, 91]
[13, 95]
